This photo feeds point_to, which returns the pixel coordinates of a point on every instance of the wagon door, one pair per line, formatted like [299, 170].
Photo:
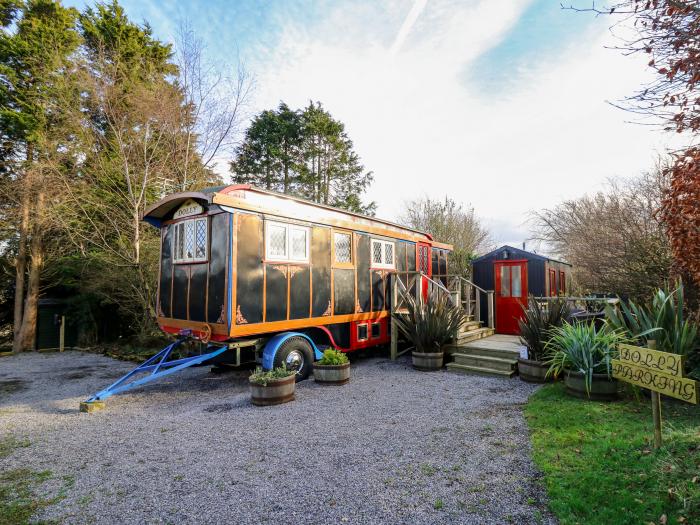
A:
[511, 293]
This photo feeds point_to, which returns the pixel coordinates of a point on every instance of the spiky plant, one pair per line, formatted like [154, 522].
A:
[537, 323]
[580, 347]
[431, 324]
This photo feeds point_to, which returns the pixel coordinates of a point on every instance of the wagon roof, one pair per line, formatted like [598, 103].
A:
[238, 195]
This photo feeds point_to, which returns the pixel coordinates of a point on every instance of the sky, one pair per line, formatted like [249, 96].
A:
[503, 105]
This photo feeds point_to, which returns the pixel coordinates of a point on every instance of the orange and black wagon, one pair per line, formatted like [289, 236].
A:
[266, 277]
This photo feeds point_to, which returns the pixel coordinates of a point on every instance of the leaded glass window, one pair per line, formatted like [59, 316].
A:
[343, 247]
[286, 242]
[191, 238]
[382, 254]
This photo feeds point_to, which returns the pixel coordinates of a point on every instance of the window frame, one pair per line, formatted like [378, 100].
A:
[562, 282]
[382, 265]
[287, 258]
[552, 282]
[335, 263]
[183, 223]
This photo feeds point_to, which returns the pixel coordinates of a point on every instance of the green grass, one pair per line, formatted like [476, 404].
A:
[18, 499]
[599, 464]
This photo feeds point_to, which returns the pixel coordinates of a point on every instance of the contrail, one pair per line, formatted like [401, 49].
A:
[407, 25]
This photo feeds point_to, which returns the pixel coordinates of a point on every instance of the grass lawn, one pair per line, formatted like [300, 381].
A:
[600, 466]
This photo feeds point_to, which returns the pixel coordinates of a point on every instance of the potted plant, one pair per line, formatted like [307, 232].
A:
[429, 326]
[333, 368]
[272, 387]
[584, 354]
[535, 331]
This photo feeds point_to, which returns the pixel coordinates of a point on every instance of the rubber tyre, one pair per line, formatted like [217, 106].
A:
[296, 344]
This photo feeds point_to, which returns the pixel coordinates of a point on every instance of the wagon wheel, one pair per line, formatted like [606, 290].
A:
[296, 354]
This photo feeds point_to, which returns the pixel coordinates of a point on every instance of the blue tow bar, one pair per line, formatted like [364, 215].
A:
[158, 366]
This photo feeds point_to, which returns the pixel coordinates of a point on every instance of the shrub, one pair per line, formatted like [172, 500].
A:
[663, 320]
[263, 377]
[537, 323]
[429, 325]
[332, 357]
[580, 347]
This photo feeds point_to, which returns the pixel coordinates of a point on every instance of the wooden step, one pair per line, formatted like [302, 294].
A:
[483, 361]
[472, 349]
[468, 369]
[474, 335]
[469, 326]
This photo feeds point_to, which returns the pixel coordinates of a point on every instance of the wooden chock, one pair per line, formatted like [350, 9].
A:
[91, 406]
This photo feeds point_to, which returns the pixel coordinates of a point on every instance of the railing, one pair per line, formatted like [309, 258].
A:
[589, 304]
[461, 291]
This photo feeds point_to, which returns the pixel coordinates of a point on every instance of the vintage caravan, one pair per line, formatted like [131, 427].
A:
[276, 279]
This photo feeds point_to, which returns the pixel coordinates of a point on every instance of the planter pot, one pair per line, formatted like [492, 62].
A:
[332, 374]
[533, 371]
[276, 392]
[432, 361]
[602, 388]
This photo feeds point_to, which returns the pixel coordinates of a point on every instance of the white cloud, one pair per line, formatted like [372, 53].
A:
[423, 130]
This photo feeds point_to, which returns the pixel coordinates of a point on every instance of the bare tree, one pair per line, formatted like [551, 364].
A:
[216, 97]
[450, 222]
[614, 238]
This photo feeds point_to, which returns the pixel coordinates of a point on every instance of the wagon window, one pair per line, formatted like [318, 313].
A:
[343, 247]
[286, 242]
[191, 241]
[382, 254]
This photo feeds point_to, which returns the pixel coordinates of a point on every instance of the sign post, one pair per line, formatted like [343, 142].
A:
[660, 372]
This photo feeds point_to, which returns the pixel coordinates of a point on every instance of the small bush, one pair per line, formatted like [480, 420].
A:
[263, 377]
[333, 357]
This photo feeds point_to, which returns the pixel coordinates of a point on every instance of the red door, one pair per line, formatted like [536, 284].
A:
[425, 265]
[511, 292]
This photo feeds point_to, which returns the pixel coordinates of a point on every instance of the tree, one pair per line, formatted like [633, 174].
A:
[680, 212]
[450, 222]
[614, 239]
[667, 31]
[305, 153]
[39, 100]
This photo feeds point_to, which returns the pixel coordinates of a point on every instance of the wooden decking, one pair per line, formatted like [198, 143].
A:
[491, 355]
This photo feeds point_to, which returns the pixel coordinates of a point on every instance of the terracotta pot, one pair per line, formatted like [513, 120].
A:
[276, 392]
[602, 387]
[332, 374]
[533, 371]
[431, 361]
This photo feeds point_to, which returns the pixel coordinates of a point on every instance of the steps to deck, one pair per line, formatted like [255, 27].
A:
[490, 355]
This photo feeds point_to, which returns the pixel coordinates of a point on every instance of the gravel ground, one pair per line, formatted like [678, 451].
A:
[393, 446]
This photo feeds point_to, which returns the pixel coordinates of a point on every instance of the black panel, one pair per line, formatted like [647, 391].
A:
[198, 292]
[344, 292]
[249, 269]
[376, 330]
[377, 291]
[166, 271]
[443, 265]
[218, 256]
[363, 277]
[435, 261]
[321, 263]
[276, 293]
[536, 278]
[180, 281]
[299, 292]
[340, 333]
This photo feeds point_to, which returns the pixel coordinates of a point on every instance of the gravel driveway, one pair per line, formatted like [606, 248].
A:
[392, 446]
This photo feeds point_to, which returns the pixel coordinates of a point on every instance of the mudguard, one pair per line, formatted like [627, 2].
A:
[274, 344]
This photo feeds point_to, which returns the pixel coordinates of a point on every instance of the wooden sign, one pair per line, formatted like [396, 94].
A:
[666, 384]
[660, 372]
[669, 364]
[188, 208]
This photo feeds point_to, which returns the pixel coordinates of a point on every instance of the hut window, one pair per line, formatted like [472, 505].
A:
[191, 241]
[552, 283]
[562, 282]
[343, 247]
[505, 280]
[382, 254]
[286, 242]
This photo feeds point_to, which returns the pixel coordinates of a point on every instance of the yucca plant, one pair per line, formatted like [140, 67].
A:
[537, 323]
[663, 320]
[431, 324]
[580, 347]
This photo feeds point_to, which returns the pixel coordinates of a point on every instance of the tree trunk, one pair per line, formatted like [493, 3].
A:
[27, 336]
[21, 262]
[137, 236]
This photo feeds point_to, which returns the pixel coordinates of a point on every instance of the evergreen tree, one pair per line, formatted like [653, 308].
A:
[307, 154]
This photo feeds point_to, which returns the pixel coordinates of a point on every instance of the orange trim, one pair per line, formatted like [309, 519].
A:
[278, 326]
[233, 272]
